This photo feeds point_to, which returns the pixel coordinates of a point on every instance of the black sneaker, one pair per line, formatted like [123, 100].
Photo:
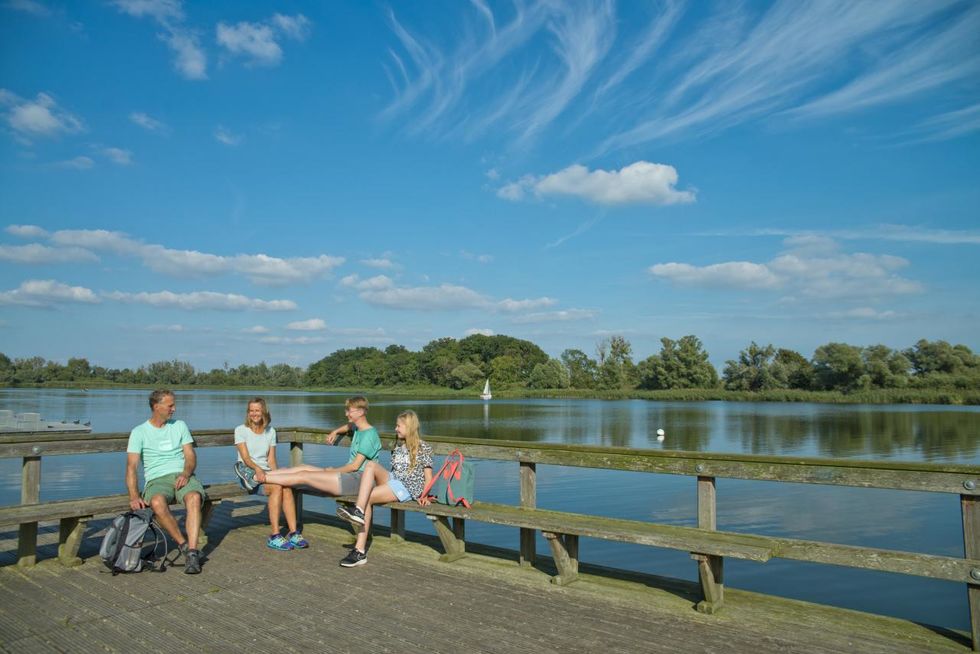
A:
[246, 475]
[355, 558]
[352, 514]
[192, 565]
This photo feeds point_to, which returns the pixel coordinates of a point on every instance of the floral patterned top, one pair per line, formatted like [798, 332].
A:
[413, 479]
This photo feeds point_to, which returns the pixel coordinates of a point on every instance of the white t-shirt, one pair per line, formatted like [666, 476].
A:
[257, 444]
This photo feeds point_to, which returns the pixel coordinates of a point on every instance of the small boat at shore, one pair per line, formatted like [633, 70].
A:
[486, 394]
[21, 423]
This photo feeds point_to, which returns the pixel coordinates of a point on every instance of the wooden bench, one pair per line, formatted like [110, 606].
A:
[73, 516]
[563, 529]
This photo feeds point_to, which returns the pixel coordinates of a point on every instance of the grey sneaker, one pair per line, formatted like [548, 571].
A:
[192, 565]
[246, 475]
[352, 514]
[355, 558]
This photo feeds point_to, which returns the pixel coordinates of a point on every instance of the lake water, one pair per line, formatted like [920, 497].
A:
[899, 520]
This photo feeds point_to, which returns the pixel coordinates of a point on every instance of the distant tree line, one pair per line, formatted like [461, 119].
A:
[514, 363]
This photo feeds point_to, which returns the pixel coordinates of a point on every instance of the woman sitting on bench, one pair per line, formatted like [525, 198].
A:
[411, 470]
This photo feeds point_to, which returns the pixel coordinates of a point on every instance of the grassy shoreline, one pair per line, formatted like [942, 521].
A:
[938, 396]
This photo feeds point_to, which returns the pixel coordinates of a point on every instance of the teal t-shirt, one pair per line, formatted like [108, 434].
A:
[161, 449]
[365, 442]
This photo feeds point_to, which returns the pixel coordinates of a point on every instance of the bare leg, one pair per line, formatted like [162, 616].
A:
[303, 467]
[318, 478]
[289, 508]
[379, 495]
[275, 505]
[373, 475]
[192, 501]
[166, 519]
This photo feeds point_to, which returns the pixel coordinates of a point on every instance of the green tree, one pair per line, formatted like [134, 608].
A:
[582, 371]
[401, 367]
[886, 367]
[616, 368]
[464, 375]
[794, 369]
[551, 374]
[755, 370]
[839, 366]
[438, 359]
[6, 369]
[505, 371]
[680, 364]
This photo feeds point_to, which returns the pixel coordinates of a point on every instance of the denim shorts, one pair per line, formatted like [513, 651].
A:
[399, 490]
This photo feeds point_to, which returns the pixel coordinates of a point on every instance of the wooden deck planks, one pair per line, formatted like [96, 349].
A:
[400, 601]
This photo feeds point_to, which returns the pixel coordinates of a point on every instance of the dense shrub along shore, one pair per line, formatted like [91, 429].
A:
[933, 372]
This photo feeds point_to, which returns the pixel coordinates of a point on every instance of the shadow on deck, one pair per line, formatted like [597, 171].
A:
[251, 598]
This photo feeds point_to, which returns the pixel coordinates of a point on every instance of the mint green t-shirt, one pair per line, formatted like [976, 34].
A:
[161, 449]
[365, 442]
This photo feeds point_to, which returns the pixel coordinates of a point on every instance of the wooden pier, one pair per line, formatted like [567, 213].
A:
[448, 594]
[252, 599]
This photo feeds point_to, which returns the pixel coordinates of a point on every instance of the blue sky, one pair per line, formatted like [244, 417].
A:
[238, 182]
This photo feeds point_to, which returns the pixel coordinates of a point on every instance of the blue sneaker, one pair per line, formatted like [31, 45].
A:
[297, 540]
[246, 476]
[279, 542]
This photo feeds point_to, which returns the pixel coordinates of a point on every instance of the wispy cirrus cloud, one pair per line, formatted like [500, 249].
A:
[566, 315]
[147, 122]
[641, 182]
[311, 325]
[259, 268]
[224, 135]
[546, 62]
[879, 232]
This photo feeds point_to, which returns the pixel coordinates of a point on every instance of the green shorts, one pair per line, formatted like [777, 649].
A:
[165, 486]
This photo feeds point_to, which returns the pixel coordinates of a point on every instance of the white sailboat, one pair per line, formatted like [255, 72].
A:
[486, 394]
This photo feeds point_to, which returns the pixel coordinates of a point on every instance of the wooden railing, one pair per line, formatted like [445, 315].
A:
[704, 467]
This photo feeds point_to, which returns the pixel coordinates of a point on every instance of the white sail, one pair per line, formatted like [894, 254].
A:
[486, 395]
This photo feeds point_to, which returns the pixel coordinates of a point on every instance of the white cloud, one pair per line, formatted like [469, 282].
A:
[258, 43]
[160, 10]
[481, 258]
[812, 268]
[885, 232]
[147, 122]
[26, 231]
[445, 297]
[256, 329]
[733, 274]
[36, 253]
[375, 283]
[201, 300]
[226, 136]
[47, 292]
[259, 268]
[156, 329]
[864, 313]
[296, 27]
[382, 263]
[556, 316]
[39, 117]
[481, 332]
[311, 325]
[293, 340]
[189, 58]
[513, 306]
[118, 156]
[78, 163]
[641, 182]
[29, 7]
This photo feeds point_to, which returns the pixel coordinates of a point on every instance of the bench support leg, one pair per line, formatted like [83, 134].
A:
[564, 549]
[27, 545]
[30, 493]
[452, 537]
[397, 525]
[711, 573]
[70, 532]
[529, 495]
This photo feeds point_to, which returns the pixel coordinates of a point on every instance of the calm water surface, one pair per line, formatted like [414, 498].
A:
[920, 522]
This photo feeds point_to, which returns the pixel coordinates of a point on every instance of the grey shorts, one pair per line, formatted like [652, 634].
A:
[350, 483]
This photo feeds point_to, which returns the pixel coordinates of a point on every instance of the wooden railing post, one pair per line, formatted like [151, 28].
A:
[970, 507]
[529, 499]
[710, 568]
[295, 459]
[30, 493]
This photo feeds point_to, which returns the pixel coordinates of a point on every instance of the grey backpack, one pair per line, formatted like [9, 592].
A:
[133, 543]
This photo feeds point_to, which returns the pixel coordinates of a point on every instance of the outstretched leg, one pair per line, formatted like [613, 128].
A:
[318, 478]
